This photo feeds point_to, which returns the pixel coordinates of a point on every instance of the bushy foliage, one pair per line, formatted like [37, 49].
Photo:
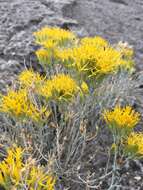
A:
[18, 174]
[54, 115]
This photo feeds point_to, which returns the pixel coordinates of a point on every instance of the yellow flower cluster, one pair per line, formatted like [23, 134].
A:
[64, 85]
[91, 56]
[15, 174]
[95, 61]
[122, 121]
[94, 57]
[19, 105]
[49, 37]
[46, 89]
[136, 140]
[28, 79]
[61, 86]
[11, 167]
[122, 117]
[22, 103]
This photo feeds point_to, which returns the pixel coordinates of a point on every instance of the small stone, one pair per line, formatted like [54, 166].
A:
[138, 178]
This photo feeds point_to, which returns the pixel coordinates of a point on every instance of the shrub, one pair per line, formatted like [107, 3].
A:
[87, 83]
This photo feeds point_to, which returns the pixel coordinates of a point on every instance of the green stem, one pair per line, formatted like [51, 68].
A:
[114, 165]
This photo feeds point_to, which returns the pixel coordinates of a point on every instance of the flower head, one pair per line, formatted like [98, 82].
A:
[11, 167]
[28, 78]
[93, 59]
[18, 174]
[96, 41]
[49, 44]
[60, 86]
[65, 55]
[57, 35]
[64, 85]
[44, 56]
[14, 103]
[90, 56]
[46, 89]
[135, 142]
[122, 117]
[19, 105]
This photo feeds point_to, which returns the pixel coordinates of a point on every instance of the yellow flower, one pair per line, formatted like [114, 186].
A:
[64, 55]
[107, 61]
[136, 140]
[18, 104]
[94, 57]
[37, 114]
[59, 87]
[93, 60]
[56, 34]
[91, 56]
[11, 167]
[44, 56]
[64, 85]
[46, 89]
[52, 39]
[28, 78]
[16, 174]
[37, 176]
[96, 41]
[49, 44]
[122, 117]
[14, 102]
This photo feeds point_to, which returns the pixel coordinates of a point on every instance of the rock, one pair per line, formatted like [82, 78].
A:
[8, 72]
[138, 178]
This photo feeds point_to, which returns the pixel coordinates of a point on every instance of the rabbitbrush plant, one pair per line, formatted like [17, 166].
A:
[17, 174]
[87, 84]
